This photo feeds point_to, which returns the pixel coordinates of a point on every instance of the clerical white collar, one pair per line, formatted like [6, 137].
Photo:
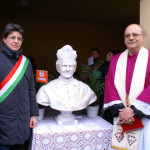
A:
[134, 53]
[130, 54]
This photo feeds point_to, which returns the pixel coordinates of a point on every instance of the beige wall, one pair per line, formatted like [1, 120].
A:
[44, 38]
[145, 19]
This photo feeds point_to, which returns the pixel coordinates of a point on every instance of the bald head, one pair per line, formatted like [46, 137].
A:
[136, 26]
[134, 36]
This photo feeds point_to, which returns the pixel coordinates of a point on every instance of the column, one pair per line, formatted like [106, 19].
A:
[145, 20]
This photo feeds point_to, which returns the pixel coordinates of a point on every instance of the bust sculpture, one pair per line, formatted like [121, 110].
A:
[66, 93]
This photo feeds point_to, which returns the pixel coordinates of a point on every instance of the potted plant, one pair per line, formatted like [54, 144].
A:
[39, 84]
[97, 84]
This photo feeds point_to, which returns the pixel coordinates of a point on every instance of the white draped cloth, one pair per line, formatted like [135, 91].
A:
[66, 95]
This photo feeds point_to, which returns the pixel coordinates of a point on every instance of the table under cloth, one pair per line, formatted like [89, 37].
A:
[88, 134]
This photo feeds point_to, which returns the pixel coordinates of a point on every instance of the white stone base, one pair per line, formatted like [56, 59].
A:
[66, 118]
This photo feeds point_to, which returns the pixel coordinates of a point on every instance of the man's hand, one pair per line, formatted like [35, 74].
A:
[126, 115]
[33, 121]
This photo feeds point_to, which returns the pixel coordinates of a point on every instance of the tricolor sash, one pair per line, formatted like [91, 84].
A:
[13, 78]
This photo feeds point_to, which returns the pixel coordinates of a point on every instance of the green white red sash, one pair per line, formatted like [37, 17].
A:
[13, 78]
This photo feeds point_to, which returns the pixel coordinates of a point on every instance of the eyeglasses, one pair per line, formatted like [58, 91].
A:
[19, 39]
[134, 35]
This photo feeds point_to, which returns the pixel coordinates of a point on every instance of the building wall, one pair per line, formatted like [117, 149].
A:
[43, 39]
[145, 20]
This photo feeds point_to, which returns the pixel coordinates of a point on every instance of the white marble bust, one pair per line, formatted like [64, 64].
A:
[66, 93]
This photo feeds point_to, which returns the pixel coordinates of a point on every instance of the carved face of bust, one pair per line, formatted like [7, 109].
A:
[66, 68]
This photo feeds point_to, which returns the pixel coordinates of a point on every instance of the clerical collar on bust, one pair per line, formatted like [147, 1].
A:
[66, 80]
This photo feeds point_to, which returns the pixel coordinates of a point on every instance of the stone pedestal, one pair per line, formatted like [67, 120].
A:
[66, 118]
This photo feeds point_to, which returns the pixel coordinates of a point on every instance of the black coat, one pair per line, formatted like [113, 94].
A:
[104, 69]
[19, 105]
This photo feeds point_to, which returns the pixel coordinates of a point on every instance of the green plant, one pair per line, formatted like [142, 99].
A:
[39, 84]
[96, 83]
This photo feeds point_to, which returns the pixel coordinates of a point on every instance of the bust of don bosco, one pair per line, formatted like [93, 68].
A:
[66, 93]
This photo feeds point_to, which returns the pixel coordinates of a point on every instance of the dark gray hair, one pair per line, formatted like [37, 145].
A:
[12, 27]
